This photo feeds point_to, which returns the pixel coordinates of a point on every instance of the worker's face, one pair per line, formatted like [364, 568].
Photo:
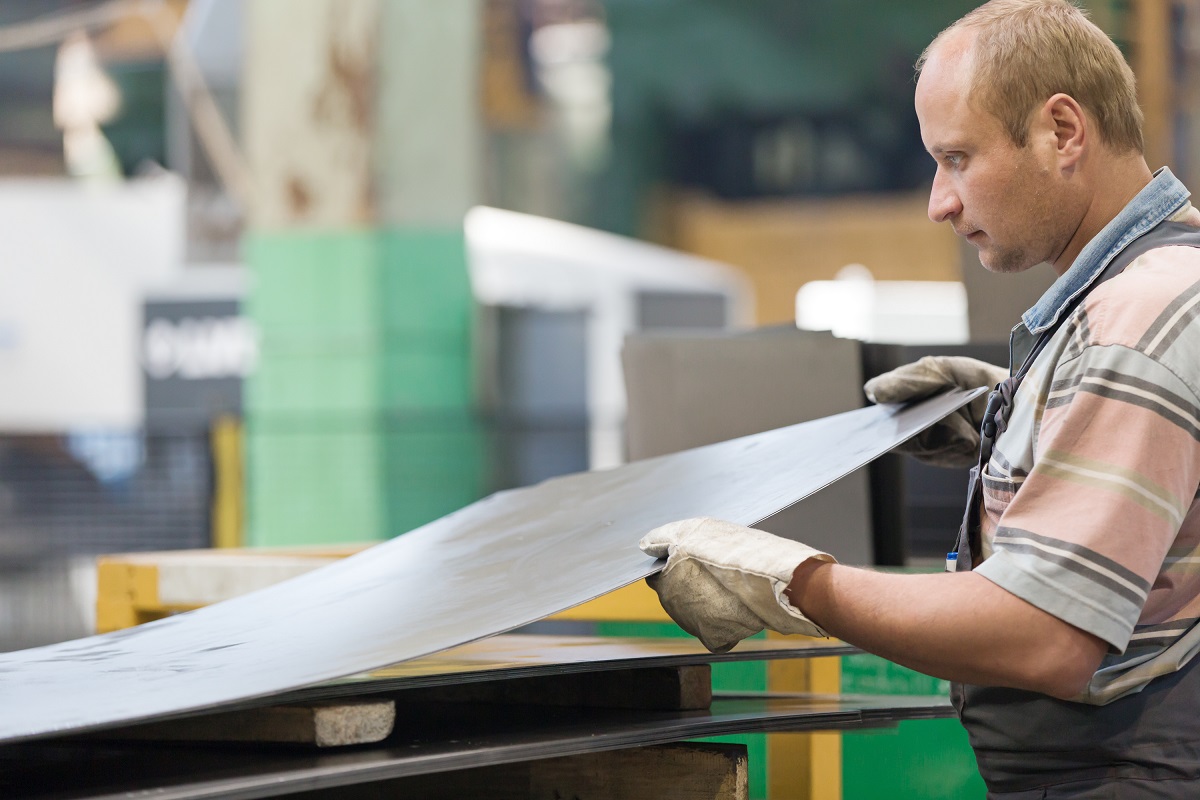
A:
[998, 196]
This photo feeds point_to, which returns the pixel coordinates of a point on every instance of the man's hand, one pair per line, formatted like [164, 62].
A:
[953, 442]
[724, 582]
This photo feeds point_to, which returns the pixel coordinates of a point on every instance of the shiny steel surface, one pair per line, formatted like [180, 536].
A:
[505, 561]
[439, 738]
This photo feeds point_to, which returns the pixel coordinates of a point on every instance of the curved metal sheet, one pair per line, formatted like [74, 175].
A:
[505, 561]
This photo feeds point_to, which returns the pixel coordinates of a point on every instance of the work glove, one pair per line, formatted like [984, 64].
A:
[954, 441]
[724, 582]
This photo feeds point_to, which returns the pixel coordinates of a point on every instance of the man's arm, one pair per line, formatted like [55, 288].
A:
[956, 626]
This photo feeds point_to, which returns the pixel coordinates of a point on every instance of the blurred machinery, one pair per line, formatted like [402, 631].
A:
[557, 302]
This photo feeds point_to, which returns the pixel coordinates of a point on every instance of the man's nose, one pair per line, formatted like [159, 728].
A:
[943, 200]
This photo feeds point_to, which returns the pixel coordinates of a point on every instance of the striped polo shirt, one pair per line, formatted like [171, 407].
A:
[1090, 507]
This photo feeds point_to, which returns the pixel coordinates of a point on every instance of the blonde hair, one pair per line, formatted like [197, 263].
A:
[1026, 51]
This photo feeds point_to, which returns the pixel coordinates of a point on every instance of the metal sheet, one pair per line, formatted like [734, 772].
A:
[441, 738]
[505, 561]
[529, 656]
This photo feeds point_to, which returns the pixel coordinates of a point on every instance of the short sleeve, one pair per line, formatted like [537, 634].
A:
[1115, 471]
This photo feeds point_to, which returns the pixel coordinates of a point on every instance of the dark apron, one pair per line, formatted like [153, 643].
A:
[1026, 742]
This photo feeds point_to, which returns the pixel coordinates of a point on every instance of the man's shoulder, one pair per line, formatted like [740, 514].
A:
[1151, 312]
[1165, 280]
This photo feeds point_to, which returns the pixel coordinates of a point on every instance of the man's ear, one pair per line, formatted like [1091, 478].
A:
[1063, 116]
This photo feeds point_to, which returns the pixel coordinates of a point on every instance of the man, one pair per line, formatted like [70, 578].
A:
[1070, 627]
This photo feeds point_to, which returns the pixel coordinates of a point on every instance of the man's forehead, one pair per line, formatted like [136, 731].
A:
[949, 120]
[948, 65]
[953, 46]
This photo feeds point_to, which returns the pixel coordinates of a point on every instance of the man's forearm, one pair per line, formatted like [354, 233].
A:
[957, 626]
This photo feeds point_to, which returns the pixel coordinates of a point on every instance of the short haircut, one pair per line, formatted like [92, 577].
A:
[1026, 51]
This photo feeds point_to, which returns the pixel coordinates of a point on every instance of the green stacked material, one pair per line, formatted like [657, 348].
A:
[314, 484]
[433, 468]
[424, 286]
[407, 380]
[360, 416]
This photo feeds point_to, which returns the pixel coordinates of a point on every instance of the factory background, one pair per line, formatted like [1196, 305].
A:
[289, 273]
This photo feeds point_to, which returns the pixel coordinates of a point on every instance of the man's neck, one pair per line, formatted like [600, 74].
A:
[1122, 179]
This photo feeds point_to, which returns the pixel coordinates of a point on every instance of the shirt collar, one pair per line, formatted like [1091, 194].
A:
[1161, 198]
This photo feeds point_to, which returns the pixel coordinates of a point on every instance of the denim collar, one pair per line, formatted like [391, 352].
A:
[1161, 198]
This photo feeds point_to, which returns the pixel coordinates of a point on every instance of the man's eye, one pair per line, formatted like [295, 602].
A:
[953, 159]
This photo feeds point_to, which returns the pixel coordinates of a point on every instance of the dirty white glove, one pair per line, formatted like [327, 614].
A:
[954, 441]
[724, 582]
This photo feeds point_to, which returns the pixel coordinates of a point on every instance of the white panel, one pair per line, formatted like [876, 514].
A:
[74, 259]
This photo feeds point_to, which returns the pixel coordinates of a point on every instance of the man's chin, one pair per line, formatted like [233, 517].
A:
[1003, 263]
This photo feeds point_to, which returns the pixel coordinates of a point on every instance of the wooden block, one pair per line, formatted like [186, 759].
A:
[685, 771]
[333, 724]
[139, 587]
[126, 590]
[657, 688]
[114, 615]
[128, 579]
[681, 771]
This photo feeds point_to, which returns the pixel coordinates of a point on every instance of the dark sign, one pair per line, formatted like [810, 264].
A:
[195, 355]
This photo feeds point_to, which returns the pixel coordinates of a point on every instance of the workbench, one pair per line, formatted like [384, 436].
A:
[462, 716]
[511, 716]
